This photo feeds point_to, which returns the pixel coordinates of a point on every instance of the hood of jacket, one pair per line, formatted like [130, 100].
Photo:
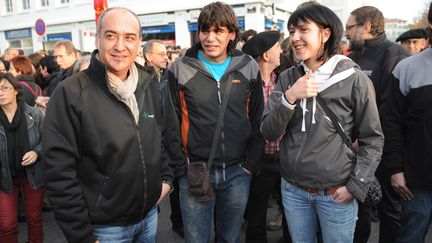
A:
[335, 70]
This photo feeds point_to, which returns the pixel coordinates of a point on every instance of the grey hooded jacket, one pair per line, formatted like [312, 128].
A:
[312, 154]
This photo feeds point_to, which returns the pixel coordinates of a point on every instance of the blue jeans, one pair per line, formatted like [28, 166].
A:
[303, 210]
[142, 232]
[231, 195]
[416, 217]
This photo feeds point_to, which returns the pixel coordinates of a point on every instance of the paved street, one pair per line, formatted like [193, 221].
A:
[53, 234]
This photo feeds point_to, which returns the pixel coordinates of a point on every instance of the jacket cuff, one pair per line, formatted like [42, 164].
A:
[395, 171]
[287, 104]
[91, 239]
[392, 164]
[357, 189]
[253, 168]
[179, 171]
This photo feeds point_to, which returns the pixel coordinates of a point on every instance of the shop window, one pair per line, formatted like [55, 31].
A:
[44, 3]
[26, 4]
[9, 8]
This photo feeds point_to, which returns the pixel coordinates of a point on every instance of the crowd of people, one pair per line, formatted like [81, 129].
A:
[220, 128]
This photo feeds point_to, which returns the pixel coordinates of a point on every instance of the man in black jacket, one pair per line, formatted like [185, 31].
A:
[65, 56]
[407, 150]
[377, 57]
[197, 85]
[106, 169]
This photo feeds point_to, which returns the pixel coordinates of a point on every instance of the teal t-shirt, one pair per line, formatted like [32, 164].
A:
[217, 70]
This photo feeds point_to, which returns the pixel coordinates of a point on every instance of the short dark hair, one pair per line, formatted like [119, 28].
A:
[324, 18]
[220, 15]
[285, 46]
[430, 13]
[244, 36]
[370, 14]
[13, 81]
[5, 63]
[50, 63]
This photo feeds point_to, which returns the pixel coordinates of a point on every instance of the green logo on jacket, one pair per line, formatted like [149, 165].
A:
[147, 115]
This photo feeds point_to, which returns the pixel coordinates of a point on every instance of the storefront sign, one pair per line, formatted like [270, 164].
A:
[158, 29]
[18, 34]
[59, 37]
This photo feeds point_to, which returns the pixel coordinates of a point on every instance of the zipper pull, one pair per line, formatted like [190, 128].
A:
[218, 92]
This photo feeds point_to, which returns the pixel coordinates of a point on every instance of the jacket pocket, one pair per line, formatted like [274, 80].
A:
[101, 192]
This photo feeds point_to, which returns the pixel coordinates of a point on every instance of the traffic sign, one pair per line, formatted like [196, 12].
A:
[40, 27]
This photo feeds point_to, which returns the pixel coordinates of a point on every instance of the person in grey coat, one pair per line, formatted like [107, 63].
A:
[322, 178]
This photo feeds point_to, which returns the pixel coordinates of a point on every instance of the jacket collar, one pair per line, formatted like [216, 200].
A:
[191, 57]
[98, 73]
[29, 118]
[193, 51]
[375, 41]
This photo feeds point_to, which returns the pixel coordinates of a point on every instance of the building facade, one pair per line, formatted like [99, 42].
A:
[395, 27]
[33, 25]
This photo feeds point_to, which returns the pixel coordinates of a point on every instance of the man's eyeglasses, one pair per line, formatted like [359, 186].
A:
[6, 89]
[349, 27]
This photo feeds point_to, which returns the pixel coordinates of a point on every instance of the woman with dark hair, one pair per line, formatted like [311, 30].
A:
[20, 163]
[322, 104]
[22, 68]
[2, 67]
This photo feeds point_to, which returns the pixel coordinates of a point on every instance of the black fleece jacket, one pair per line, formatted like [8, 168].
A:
[377, 59]
[100, 166]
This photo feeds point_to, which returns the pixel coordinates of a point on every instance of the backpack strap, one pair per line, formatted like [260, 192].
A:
[30, 88]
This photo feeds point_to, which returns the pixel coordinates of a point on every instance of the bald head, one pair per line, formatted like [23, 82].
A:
[115, 9]
[10, 53]
[118, 40]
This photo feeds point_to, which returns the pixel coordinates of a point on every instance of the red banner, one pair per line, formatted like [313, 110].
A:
[99, 7]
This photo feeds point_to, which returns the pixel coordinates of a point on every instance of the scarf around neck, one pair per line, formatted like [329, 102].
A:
[125, 90]
[17, 139]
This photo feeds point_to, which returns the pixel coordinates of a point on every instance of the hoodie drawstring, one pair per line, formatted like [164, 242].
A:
[303, 103]
[313, 110]
[303, 106]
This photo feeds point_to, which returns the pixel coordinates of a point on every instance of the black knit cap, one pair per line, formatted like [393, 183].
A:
[413, 34]
[261, 43]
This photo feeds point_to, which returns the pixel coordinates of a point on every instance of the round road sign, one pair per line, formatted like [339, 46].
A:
[40, 27]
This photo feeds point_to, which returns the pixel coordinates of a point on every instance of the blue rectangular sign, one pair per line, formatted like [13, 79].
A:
[59, 37]
[18, 34]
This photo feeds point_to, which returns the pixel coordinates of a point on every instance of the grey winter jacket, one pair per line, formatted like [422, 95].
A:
[34, 171]
[317, 157]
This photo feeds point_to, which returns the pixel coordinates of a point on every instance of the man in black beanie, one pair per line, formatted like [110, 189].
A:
[265, 49]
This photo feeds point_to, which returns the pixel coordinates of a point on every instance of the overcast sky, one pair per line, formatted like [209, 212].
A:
[402, 9]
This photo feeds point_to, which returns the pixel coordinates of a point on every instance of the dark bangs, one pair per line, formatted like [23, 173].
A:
[14, 82]
[324, 18]
[218, 14]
